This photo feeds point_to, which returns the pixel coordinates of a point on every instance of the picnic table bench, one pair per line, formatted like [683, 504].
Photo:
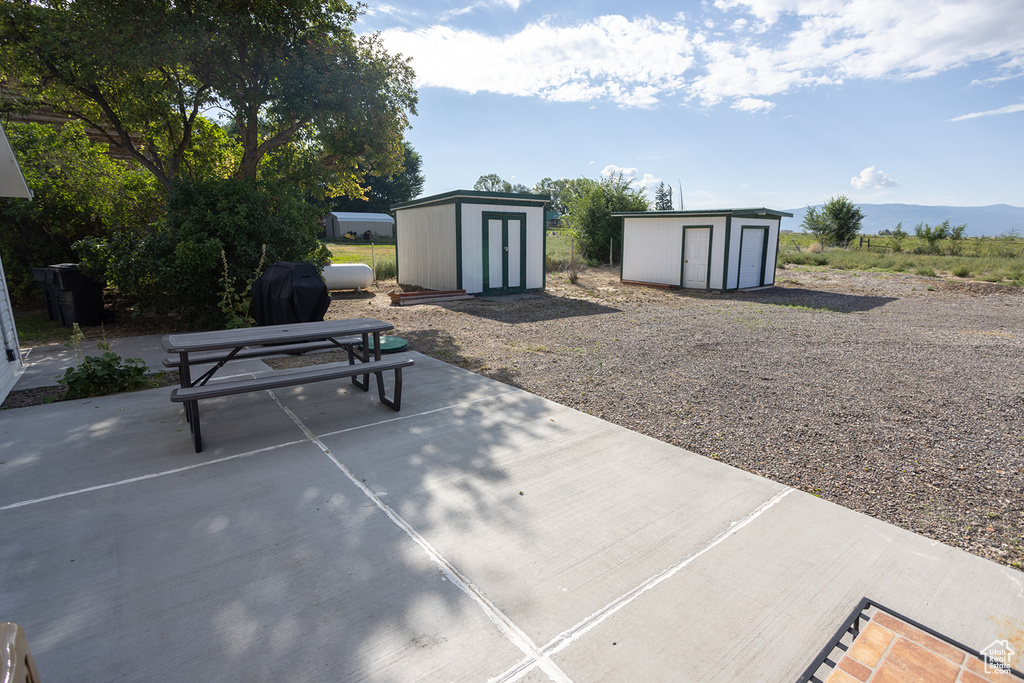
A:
[223, 346]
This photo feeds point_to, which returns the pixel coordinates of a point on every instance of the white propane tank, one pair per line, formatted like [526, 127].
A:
[348, 276]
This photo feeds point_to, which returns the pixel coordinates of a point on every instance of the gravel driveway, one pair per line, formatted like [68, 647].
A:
[894, 395]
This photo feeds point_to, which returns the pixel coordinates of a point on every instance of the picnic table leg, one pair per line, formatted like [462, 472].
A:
[197, 436]
[395, 403]
[364, 383]
[191, 407]
[185, 379]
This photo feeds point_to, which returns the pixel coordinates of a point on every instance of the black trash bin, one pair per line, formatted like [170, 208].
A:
[71, 296]
[289, 293]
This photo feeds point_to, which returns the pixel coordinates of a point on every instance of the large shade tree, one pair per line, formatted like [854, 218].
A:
[290, 76]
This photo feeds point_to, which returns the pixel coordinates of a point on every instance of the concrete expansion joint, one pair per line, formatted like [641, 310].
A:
[507, 627]
[568, 637]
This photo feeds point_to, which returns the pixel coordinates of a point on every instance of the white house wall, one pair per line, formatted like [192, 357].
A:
[10, 371]
[426, 253]
[472, 216]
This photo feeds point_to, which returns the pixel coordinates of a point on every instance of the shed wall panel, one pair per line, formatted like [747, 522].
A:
[426, 255]
[535, 257]
[652, 250]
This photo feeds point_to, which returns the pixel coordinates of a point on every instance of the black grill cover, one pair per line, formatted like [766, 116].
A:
[289, 293]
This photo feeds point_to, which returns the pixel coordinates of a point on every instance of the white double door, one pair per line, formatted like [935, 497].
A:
[504, 253]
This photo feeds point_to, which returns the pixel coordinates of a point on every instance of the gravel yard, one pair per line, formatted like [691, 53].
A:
[894, 395]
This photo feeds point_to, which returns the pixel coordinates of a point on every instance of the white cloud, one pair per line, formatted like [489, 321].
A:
[630, 62]
[753, 104]
[647, 183]
[767, 48]
[872, 179]
[1008, 109]
[612, 169]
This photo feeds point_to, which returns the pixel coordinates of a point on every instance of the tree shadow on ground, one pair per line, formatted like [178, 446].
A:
[531, 307]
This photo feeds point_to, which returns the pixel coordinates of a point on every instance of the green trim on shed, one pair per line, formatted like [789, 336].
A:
[458, 245]
[725, 259]
[477, 197]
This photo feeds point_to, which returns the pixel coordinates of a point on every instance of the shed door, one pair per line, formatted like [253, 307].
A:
[695, 258]
[504, 238]
[752, 250]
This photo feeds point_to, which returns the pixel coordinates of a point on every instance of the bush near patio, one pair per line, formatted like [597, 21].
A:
[78, 191]
[179, 266]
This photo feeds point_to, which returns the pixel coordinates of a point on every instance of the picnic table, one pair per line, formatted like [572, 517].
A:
[221, 347]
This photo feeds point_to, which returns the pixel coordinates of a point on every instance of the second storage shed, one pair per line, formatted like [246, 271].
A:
[482, 242]
[721, 249]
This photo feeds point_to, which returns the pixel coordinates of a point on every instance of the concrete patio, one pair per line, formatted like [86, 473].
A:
[483, 533]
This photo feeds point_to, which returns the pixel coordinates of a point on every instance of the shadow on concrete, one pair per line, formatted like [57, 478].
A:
[528, 308]
[264, 566]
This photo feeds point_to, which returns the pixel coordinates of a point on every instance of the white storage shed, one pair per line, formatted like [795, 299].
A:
[12, 184]
[482, 242]
[337, 223]
[722, 249]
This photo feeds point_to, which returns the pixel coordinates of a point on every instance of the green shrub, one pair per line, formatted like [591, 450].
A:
[926, 271]
[590, 215]
[385, 269]
[962, 271]
[178, 266]
[804, 258]
[102, 375]
[106, 374]
[79, 192]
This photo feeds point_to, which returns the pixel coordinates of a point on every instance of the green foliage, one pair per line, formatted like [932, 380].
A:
[803, 258]
[179, 266]
[291, 75]
[663, 197]
[79, 192]
[106, 374]
[843, 219]
[836, 223]
[956, 239]
[590, 214]
[384, 192]
[560, 191]
[492, 182]
[897, 238]
[962, 271]
[931, 236]
[102, 375]
[816, 223]
[385, 269]
[235, 304]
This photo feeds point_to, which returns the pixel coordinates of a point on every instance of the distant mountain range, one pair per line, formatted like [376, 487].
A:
[997, 219]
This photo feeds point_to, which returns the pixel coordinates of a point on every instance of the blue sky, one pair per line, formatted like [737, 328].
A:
[778, 103]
